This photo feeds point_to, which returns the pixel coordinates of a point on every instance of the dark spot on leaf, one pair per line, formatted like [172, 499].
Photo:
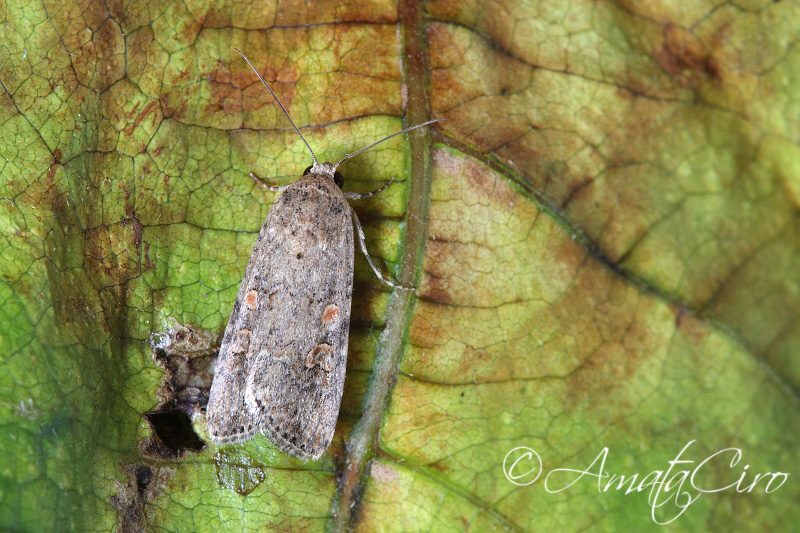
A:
[144, 485]
[688, 60]
[143, 476]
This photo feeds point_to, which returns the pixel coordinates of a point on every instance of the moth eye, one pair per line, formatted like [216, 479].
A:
[338, 179]
[306, 171]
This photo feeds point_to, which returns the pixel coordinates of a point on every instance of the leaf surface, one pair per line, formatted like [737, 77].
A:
[603, 236]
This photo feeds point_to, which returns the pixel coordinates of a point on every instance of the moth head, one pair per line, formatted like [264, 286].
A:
[326, 169]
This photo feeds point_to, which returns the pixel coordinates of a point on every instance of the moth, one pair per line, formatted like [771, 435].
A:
[281, 365]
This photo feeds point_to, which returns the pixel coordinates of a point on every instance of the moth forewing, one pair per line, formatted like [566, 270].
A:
[299, 347]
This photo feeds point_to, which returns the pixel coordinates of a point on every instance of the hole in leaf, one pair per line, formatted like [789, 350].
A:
[174, 430]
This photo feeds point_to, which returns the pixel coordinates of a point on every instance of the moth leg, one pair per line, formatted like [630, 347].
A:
[357, 196]
[363, 244]
[263, 185]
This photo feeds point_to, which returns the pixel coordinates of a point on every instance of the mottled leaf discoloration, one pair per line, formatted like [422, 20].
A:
[603, 235]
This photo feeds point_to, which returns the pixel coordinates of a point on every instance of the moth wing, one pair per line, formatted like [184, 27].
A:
[298, 350]
[229, 422]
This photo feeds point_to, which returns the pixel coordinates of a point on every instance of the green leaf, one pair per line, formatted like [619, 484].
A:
[603, 235]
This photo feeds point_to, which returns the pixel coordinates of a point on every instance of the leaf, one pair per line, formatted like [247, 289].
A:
[603, 235]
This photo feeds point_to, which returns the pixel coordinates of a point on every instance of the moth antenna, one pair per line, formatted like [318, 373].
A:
[348, 156]
[283, 108]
